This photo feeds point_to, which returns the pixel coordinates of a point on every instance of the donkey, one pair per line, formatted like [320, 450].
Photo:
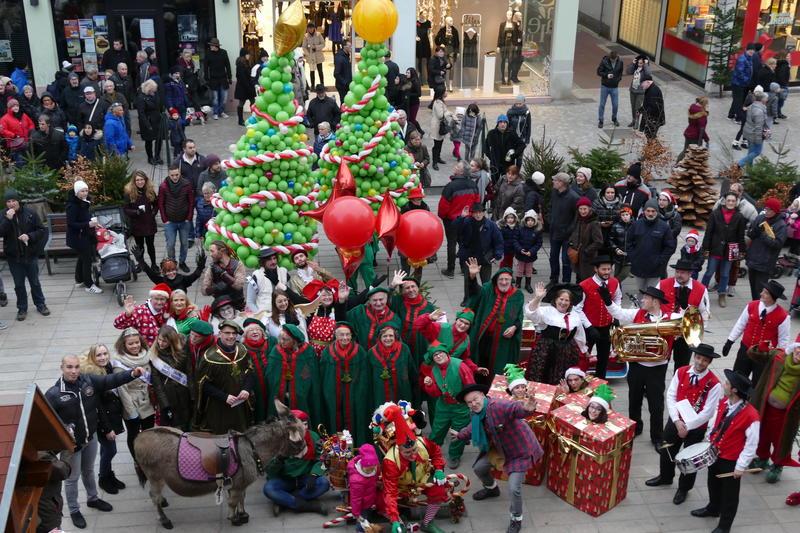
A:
[157, 458]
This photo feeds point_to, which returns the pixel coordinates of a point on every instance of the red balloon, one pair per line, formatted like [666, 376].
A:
[419, 235]
[350, 260]
[387, 221]
[348, 222]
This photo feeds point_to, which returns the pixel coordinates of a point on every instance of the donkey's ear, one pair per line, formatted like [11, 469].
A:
[281, 409]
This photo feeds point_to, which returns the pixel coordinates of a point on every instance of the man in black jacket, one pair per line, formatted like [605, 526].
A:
[562, 217]
[218, 76]
[92, 110]
[24, 237]
[123, 83]
[503, 147]
[50, 142]
[653, 116]
[115, 55]
[322, 109]
[71, 98]
[610, 72]
[74, 398]
[342, 72]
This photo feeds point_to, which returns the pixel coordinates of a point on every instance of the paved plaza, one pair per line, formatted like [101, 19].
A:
[30, 351]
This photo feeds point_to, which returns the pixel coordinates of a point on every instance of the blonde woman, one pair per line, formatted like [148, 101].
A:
[149, 106]
[183, 313]
[141, 208]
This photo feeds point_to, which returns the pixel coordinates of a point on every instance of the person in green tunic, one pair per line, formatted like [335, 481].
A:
[496, 334]
[455, 335]
[225, 383]
[346, 389]
[368, 318]
[293, 374]
[297, 482]
[443, 377]
[393, 369]
[258, 345]
[409, 304]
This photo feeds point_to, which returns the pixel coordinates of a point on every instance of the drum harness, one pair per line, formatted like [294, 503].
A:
[697, 406]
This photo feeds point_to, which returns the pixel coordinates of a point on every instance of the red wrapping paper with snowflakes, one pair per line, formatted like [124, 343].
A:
[544, 395]
[588, 464]
[581, 397]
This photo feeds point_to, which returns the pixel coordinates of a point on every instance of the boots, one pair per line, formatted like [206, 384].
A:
[309, 506]
[774, 474]
[528, 287]
[107, 484]
[240, 114]
[518, 282]
[119, 484]
[723, 300]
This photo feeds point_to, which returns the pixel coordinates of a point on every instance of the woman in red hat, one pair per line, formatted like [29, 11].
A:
[586, 238]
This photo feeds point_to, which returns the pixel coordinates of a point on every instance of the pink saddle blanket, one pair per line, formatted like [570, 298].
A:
[190, 466]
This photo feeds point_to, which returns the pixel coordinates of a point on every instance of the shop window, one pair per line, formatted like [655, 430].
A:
[14, 48]
[638, 24]
[687, 37]
[778, 29]
[79, 30]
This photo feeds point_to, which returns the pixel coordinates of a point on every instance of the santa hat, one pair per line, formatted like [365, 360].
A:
[162, 289]
[583, 201]
[574, 371]
[693, 234]
[173, 111]
[668, 195]
[300, 415]
[402, 432]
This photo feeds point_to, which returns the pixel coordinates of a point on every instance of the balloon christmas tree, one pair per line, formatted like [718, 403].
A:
[269, 178]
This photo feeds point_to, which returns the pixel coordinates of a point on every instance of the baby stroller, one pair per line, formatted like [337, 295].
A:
[115, 264]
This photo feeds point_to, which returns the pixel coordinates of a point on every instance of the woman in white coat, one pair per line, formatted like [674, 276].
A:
[439, 112]
[314, 48]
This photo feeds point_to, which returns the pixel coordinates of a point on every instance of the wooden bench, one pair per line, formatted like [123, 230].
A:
[56, 245]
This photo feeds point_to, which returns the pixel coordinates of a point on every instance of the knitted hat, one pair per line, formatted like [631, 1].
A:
[537, 177]
[693, 234]
[12, 102]
[773, 203]
[201, 327]
[367, 456]
[502, 118]
[466, 314]
[586, 172]
[652, 202]
[212, 159]
[67, 65]
[668, 195]
[174, 111]
[515, 376]
[11, 194]
[583, 200]
[520, 98]
[294, 332]
[574, 371]
[162, 289]
[79, 185]
[250, 321]
[88, 89]
[635, 170]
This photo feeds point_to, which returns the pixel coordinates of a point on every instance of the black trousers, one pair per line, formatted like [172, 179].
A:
[148, 241]
[723, 493]
[321, 76]
[667, 465]
[757, 280]
[603, 350]
[680, 353]
[436, 154]
[83, 268]
[737, 101]
[746, 366]
[451, 232]
[647, 381]
[135, 426]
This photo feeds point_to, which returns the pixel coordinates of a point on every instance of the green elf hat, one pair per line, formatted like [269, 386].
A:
[376, 290]
[603, 395]
[515, 376]
[253, 321]
[434, 348]
[201, 327]
[466, 314]
[294, 332]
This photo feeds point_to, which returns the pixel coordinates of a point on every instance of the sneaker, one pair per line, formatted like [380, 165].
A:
[184, 267]
[100, 505]
[3, 299]
[744, 143]
[94, 289]
[448, 274]
[223, 115]
[615, 123]
[486, 493]
[774, 474]
[3, 325]
[600, 124]
[43, 310]
[731, 292]
[78, 520]
[22, 315]
[215, 116]
[735, 145]
[515, 526]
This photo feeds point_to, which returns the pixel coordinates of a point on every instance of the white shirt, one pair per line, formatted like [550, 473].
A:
[273, 329]
[616, 298]
[704, 303]
[783, 327]
[626, 316]
[712, 400]
[751, 438]
[548, 315]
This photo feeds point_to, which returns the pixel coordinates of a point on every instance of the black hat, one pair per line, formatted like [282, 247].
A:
[738, 382]
[685, 264]
[655, 293]
[11, 194]
[476, 207]
[471, 388]
[635, 170]
[319, 88]
[266, 252]
[705, 350]
[602, 260]
[645, 77]
[750, 46]
[575, 292]
[775, 289]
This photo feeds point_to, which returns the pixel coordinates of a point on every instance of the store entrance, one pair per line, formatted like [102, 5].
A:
[140, 27]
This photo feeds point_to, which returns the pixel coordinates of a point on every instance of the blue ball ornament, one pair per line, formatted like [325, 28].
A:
[252, 120]
[291, 184]
[358, 127]
[253, 147]
[287, 236]
[392, 164]
[271, 132]
[288, 88]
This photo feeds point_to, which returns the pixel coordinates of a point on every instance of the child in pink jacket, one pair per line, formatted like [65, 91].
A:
[362, 473]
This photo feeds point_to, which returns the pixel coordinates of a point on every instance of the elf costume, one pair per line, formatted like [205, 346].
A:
[444, 333]
[408, 309]
[367, 322]
[392, 371]
[345, 373]
[258, 351]
[293, 376]
[495, 311]
[447, 380]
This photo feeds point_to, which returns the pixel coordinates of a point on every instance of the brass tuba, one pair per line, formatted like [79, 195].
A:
[646, 343]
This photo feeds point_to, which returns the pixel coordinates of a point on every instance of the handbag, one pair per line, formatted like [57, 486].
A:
[16, 144]
[444, 127]
[573, 255]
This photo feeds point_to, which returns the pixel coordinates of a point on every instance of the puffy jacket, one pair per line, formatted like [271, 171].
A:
[27, 222]
[743, 71]
[618, 240]
[80, 236]
[650, 245]
[509, 233]
[176, 201]
[763, 251]
[491, 240]
[607, 213]
[533, 197]
[519, 121]
[529, 240]
[175, 96]
[605, 68]
[461, 192]
[115, 136]
[755, 123]
[76, 403]
[719, 234]
[562, 213]
[12, 127]
[509, 196]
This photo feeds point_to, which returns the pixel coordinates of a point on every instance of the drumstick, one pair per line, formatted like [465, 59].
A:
[666, 445]
[749, 471]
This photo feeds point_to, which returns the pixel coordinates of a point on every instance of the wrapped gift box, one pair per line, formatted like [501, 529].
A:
[529, 336]
[582, 397]
[545, 396]
[588, 464]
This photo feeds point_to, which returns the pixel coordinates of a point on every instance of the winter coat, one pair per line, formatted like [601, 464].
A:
[58, 120]
[70, 101]
[14, 127]
[191, 171]
[765, 76]
[636, 73]
[755, 123]
[218, 69]
[20, 79]
[30, 107]
[471, 127]
[80, 237]
[489, 240]
[87, 146]
[510, 234]
[175, 96]
[439, 112]
[176, 201]
[115, 137]
[562, 213]
[653, 115]
[482, 180]
[109, 409]
[142, 221]
[123, 86]
[743, 71]
[177, 132]
[587, 238]
[719, 234]
[497, 146]
[529, 240]
[341, 70]
[509, 195]
[149, 108]
[214, 177]
[586, 190]
[783, 72]
[410, 93]
[695, 258]
[135, 394]
[313, 49]
[634, 197]
[112, 58]
[53, 145]
[461, 192]
[421, 155]
[204, 213]
[324, 110]
[607, 213]
[25, 222]
[519, 121]
[92, 113]
[533, 197]
[245, 90]
[698, 120]
[650, 245]
[674, 219]
[618, 240]
[763, 251]
[607, 67]
[73, 143]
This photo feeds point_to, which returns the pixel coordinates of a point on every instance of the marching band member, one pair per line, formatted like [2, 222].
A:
[735, 435]
[682, 291]
[699, 387]
[597, 320]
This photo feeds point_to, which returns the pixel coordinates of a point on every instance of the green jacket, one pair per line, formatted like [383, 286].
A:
[294, 467]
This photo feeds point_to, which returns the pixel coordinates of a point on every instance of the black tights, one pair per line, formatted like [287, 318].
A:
[437, 151]
[153, 149]
[83, 268]
[321, 76]
[150, 242]
[135, 426]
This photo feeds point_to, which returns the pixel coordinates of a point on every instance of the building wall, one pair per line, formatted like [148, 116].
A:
[599, 16]
[42, 40]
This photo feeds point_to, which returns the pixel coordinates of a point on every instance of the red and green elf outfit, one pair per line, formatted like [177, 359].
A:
[367, 323]
[392, 371]
[293, 376]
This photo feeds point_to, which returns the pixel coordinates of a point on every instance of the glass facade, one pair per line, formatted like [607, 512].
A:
[14, 47]
[687, 37]
[638, 24]
[776, 25]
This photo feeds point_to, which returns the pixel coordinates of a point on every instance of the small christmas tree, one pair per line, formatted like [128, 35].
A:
[34, 180]
[725, 35]
[693, 185]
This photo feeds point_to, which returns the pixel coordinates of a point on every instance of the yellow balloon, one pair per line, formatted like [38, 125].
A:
[375, 20]
[290, 28]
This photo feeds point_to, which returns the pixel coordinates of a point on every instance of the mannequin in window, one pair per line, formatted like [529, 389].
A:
[507, 36]
[334, 27]
[447, 36]
[516, 54]
[470, 59]
[423, 45]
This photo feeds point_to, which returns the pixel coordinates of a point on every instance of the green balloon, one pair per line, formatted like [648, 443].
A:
[243, 252]
[248, 232]
[251, 262]
[236, 228]
[267, 240]
[269, 225]
[277, 214]
[258, 231]
[276, 87]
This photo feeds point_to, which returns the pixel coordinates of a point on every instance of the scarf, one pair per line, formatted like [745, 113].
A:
[376, 320]
[342, 356]
[727, 214]
[450, 383]
[288, 368]
[414, 306]
[479, 439]
[259, 360]
[387, 357]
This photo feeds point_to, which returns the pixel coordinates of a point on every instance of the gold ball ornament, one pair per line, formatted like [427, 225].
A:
[375, 20]
[290, 28]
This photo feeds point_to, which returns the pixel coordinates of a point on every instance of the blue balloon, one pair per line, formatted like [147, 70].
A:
[287, 236]
[358, 127]
[392, 164]
[271, 132]
[291, 184]
[252, 119]
[224, 183]
[288, 88]
[253, 147]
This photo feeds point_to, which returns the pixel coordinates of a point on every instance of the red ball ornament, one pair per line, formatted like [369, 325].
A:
[348, 222]
[269, 174]
[365, 166]
[244, 223]
[419, 235]
[339, 142]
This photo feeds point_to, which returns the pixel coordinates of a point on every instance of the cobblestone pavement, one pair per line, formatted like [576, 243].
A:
[31, 350]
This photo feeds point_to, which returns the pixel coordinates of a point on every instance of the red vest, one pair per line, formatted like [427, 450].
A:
[640, 318]
[732, 442]
[756, 331]
[687, 391]
[593, 307]
[667, 285]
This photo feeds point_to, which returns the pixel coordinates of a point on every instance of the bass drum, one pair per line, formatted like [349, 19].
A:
[696, 457]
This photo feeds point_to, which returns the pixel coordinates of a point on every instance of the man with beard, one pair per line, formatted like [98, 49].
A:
[305, 271]
[258, 345]
[265, 279]
[367, 319]
[408, 305]
[497, 330]
[225, 275]
[596, 318]
[681, 292]
[293, 376]
[765, 244]
[631, 191]
[146, 318]
[225, 384]
[650, 245]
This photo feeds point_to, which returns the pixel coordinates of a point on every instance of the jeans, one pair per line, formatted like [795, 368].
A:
[81, 464]
[108, 449]
[482, 469]
[181, 229]
[285, 491]
[218, 98]
[605, 92]
[724, 273]
[753, 151]
[558, 249]
[21, 271]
